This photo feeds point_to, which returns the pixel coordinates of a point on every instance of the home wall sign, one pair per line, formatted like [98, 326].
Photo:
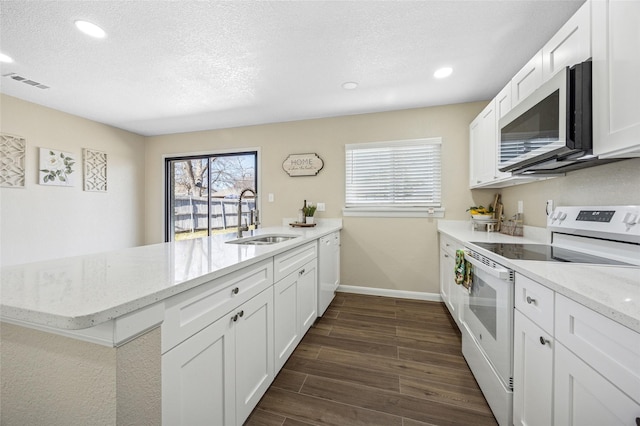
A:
[303, 164]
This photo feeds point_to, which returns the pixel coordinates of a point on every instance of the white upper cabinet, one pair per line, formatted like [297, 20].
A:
[503, 102]
[570, 45]
[528, 79]
[616, 82]
[482, 143]
[503, 106]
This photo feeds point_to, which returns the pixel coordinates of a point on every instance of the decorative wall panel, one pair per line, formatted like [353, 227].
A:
[12, 161]
[95, 170]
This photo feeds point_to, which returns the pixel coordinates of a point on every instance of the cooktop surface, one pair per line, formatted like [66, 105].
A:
[545, 252]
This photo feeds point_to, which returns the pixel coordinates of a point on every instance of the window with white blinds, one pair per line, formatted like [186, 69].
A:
[394, 176]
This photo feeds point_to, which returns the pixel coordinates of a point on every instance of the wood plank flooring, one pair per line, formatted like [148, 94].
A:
[376, 361]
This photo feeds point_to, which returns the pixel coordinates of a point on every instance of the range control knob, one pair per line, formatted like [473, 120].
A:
[560, 216]
[630, 220]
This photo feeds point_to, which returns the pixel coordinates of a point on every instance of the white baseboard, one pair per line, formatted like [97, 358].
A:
[401, 294]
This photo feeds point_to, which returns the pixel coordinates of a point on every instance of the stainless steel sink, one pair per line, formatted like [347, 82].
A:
[263, 239]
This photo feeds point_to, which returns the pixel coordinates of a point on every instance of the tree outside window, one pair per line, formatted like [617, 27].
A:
[203, 191]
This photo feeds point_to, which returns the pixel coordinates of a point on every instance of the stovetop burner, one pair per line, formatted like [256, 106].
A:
[544, 252]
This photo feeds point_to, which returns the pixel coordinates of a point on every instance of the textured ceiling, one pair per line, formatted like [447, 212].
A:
[179, 66]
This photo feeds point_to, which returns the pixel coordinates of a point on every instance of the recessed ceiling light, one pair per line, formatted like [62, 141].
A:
[349, 85]
[90, 29]
[443, 72]
[5, 58]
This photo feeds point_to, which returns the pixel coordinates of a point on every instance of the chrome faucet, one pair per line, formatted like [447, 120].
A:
[254, 213]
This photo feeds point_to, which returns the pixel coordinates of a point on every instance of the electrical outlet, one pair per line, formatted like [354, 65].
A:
[271, 197]
[321, 207]
[520, 207]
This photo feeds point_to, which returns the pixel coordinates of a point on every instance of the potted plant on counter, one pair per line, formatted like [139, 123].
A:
[309, 210]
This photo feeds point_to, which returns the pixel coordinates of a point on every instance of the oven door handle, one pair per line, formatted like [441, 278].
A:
[501, 273]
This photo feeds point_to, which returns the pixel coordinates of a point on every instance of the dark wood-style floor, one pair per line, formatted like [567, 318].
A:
[376, 361]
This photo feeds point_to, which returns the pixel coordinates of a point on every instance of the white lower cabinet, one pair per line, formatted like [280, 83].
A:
[572, 366]
[452, 294]
[584, 397]
[198, 378]
[295, 303]
[217, 376]
[254, 352]
[532, 373]
[221, 341]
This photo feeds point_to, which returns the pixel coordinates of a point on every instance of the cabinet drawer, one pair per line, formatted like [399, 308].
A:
[535, 301]
[608, 347]
[191, 311]
[289, 261]
[449, 245]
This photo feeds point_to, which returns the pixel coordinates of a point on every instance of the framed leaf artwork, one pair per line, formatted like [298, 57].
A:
[57, 168]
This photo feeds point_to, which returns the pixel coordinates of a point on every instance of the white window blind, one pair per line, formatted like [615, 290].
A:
[397, 174]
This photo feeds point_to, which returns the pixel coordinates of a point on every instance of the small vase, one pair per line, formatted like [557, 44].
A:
[309, 220]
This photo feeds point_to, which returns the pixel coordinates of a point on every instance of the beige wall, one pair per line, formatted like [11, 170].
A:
[45, 222]
[384, 253]
[609, 184]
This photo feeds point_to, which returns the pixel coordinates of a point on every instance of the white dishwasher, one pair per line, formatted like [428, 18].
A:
[329, 270]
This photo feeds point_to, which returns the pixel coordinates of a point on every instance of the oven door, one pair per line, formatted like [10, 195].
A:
[488, 315]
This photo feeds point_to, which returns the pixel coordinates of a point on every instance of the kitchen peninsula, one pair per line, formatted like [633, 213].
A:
[83, 338]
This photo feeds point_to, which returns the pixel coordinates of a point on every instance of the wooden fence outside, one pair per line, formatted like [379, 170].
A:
[190, 213]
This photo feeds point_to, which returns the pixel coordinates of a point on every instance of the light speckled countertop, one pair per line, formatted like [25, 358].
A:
[84, 291]
[613, 291]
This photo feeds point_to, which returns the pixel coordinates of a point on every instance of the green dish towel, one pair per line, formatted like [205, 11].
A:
[463, 271]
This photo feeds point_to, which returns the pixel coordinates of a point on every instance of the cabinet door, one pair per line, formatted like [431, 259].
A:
[444, 283]
[447, 275]
[482, 139]
[503, 102]
[198, 378]
[328, 270]
[528, 79]
[616, 67]
[336, 260]
[503, 106]
[285, 319]
[532, 373]
[583, 397]
[254, 352]
[307, 296]
[570, 45]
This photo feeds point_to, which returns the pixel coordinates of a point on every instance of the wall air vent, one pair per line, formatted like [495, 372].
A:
[25, 80]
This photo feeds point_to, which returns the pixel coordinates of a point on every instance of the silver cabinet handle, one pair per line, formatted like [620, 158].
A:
[235, 290]
[237, 315]
[544, 341]
[530, 300]
[446, 255]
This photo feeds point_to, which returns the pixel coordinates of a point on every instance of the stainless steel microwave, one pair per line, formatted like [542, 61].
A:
[550, 131]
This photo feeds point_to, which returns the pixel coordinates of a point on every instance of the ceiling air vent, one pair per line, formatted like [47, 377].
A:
[25, 80]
